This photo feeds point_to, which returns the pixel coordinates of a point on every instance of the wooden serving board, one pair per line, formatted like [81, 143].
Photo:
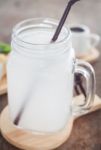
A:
[3, 85]
[33, 141]
[91, 56]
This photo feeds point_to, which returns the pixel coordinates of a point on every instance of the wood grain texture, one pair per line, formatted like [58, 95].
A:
[86, 133]
[91, 57]
[29, 141]
[3, 85]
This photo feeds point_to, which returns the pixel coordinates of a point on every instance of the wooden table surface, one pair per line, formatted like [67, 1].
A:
[86, 133]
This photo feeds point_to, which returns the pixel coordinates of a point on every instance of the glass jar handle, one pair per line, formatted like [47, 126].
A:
[86, 70]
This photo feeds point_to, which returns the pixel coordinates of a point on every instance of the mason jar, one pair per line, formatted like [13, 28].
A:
[40, 77]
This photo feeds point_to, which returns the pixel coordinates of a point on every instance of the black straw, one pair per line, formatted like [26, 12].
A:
[78, 81]
[78, 85]
[63, 19]
[17, 119]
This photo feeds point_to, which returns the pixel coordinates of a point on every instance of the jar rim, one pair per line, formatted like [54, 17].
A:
[50, 20]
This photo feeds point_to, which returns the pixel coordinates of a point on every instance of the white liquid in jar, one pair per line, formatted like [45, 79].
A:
[46, 83]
